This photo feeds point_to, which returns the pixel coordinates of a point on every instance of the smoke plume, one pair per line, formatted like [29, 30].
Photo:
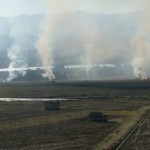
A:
[44, 43]
[141, 45]
[44, 48]
[16, 53]
[90, 37]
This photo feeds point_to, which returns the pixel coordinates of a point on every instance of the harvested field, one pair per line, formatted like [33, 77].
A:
[27, 125]
[140, 140]
[69, 135]
[102, 89]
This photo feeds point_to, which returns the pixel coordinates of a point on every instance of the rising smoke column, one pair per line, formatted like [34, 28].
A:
[16, 53]
[90, 36]
[44, 48]
[141, 45]
[44, 43]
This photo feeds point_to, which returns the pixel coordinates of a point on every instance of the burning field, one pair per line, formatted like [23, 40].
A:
[58, 67]
[71, 38]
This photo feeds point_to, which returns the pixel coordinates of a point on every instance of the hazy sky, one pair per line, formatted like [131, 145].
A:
[17, 7]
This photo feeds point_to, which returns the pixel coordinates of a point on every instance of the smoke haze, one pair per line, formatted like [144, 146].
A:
[44, 43]
[76, 38]
[141, 45]
[16, 53]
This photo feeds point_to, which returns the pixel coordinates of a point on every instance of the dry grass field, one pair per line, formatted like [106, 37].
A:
[102, 89]
[27, 125]
[140, 140]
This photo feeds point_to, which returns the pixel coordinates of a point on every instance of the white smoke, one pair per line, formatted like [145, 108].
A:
[44, 47]
[90, 42]
[140, 68]
[44, 44]
[140, 43]
[22, 69]
[16, 53]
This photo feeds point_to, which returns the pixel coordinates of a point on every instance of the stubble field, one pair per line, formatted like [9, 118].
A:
[27, 125]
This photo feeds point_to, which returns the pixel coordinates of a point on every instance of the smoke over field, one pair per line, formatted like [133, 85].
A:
[44, 43]
[17, 51]
[70, 37]
[141, 45]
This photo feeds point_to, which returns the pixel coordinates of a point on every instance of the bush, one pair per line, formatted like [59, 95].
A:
[52, 105]
[97, 117]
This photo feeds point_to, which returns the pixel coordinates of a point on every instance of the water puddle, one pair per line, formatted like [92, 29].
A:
[33, 99]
